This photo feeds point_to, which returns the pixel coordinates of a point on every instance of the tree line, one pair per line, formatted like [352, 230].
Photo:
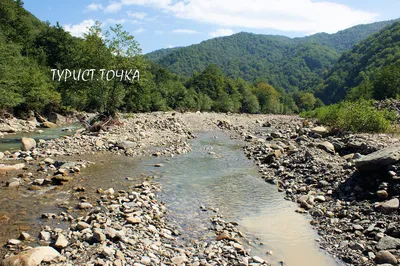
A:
[31, 49]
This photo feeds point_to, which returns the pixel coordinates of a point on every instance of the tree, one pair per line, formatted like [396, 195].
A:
[268, 98]
[387, 83]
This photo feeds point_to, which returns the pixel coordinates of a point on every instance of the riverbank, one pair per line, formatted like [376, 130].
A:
[289, 151]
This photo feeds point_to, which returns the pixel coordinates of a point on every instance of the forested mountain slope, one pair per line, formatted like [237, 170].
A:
[362, 67]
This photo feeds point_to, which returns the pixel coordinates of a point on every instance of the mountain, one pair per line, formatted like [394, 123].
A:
[287, 63]
[363, 64]
[346, 39]
[277, 60]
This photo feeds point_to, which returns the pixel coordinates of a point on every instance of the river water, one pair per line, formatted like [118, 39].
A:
[12, 142]
[216, 174]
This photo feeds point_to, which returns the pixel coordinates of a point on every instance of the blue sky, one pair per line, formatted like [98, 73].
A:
[160, 24]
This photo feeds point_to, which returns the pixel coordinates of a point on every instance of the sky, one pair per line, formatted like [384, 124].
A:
[158, 24]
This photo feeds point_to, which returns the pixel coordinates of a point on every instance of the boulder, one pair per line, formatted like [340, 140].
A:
[327, 146]
[15, 167]
[126, 145]
[28, 144]
[379, 159]
[32, 257]
[7, 128]
[387, 243]
[383, 257]
[57, 119]
[48, 124]
[390, 206]
[319, 130]
[1, 155]
[61, 242]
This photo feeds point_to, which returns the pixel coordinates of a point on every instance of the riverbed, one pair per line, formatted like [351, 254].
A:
[215, 178]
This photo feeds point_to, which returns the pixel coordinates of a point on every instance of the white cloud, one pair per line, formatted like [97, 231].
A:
[94, 7]
[140, 30]
[285, 15]
[113, 7]
[115, 21]
[153, 3]
[221, 32]
[170, 46]
[79, 29]
[185, 31]
[137, 15]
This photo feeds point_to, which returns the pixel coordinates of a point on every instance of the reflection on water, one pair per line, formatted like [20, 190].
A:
[217, 174]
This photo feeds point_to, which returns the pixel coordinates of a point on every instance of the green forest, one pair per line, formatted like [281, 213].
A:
[245, 72]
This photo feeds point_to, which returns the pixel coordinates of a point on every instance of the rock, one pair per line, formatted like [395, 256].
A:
[327, 146]
[125, 145]
[382, 194]
[145, 260]
[107, 252]
[99, 236]
[14, 184]
[49, 161]
[267, 124]
[7, 129]
[258, 259]
[390, 206]
[28, 144]
[85, 205]
[133, 220]
[61, 242]
[32, 257]
[14, 242]
[44, 235]
[1, 155]
[276, 135]
[385, 257]
[319, 130]
[379, 159]
[388, 242]
[15, 167]
[57, 118]
[99, 143]
[24, 236]
[109, 191]
[225, 235]
[82, 225]
[179, 260]
[48, 124]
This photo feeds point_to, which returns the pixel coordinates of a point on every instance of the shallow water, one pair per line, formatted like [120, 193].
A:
[230, 182]
[216, 174]
[12, 142]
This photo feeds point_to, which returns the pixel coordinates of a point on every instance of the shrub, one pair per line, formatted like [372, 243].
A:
[360, 116]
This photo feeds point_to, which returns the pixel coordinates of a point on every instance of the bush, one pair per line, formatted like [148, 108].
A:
[360, 116]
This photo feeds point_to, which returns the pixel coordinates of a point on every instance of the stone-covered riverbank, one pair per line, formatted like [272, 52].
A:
[355, 213]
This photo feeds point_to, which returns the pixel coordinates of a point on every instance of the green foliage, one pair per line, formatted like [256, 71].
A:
[387, 82]
[276, 60]
[346, 39]
[369, 70]
[358, 116]
[305, 101]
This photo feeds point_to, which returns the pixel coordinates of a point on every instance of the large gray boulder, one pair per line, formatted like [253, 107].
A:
[379, 159]
[390, 206]
[387, 243]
